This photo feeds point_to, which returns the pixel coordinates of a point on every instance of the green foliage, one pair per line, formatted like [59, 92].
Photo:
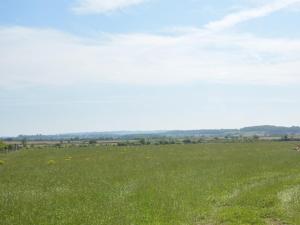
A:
[58, 145]
[122, 144]
[143, 141]
[255, 137]
[285, 138]
[92, 142]
[3, 146]
[24, 142]
[187, 141]
[197, 184]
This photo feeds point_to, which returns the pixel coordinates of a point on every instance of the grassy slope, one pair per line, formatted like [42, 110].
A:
[153, 185]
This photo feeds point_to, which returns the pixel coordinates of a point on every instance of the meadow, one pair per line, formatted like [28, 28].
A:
[195, 184]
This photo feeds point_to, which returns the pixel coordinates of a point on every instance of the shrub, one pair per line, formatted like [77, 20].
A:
[122, 144]
[92, 142]
[3, 146]
[187, 141]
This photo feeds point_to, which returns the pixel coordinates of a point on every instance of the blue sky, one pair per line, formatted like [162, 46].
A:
[102, 65]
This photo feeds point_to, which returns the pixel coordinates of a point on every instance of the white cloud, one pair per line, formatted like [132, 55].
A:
[48, 57]
[103, 6]
[249, 14]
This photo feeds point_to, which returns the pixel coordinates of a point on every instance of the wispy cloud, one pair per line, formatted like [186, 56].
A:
[249, 14]
[51, 57]
[48, 57]
[103, 6]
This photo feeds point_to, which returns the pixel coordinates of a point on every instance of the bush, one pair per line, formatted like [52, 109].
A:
[3, 146]
[187, 141]
[122, 144]
[92, 142]
[143, 141]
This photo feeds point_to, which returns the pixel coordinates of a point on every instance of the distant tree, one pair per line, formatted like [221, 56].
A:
[228, 137]
[163, 142]
[285, 138]
[12, 147]
[3, 146]
[92, 142]
[143, 141]
[122, 144]
[255, 137]
[58, 145]
[172, 141]
[200, 140]
[187, 141]
[24, 142]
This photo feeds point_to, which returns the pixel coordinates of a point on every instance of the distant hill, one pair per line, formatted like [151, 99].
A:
[272, 130]
[266, 131]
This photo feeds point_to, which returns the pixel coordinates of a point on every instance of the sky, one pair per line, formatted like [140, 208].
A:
[110, 65]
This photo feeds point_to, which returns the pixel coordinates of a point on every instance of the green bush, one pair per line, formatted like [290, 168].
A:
[3, 146]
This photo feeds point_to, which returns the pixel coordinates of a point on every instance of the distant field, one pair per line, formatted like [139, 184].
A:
[203, 184]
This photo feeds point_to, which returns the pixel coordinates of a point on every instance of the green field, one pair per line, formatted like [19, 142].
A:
[240, 183]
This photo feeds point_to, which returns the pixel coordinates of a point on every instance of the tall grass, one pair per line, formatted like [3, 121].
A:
[250, 183]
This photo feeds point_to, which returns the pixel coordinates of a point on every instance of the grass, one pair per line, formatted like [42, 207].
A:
[205, 184]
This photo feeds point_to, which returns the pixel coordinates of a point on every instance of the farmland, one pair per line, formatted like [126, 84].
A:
[194, 184]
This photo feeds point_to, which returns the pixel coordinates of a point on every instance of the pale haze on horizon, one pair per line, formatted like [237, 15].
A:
[108, 65]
